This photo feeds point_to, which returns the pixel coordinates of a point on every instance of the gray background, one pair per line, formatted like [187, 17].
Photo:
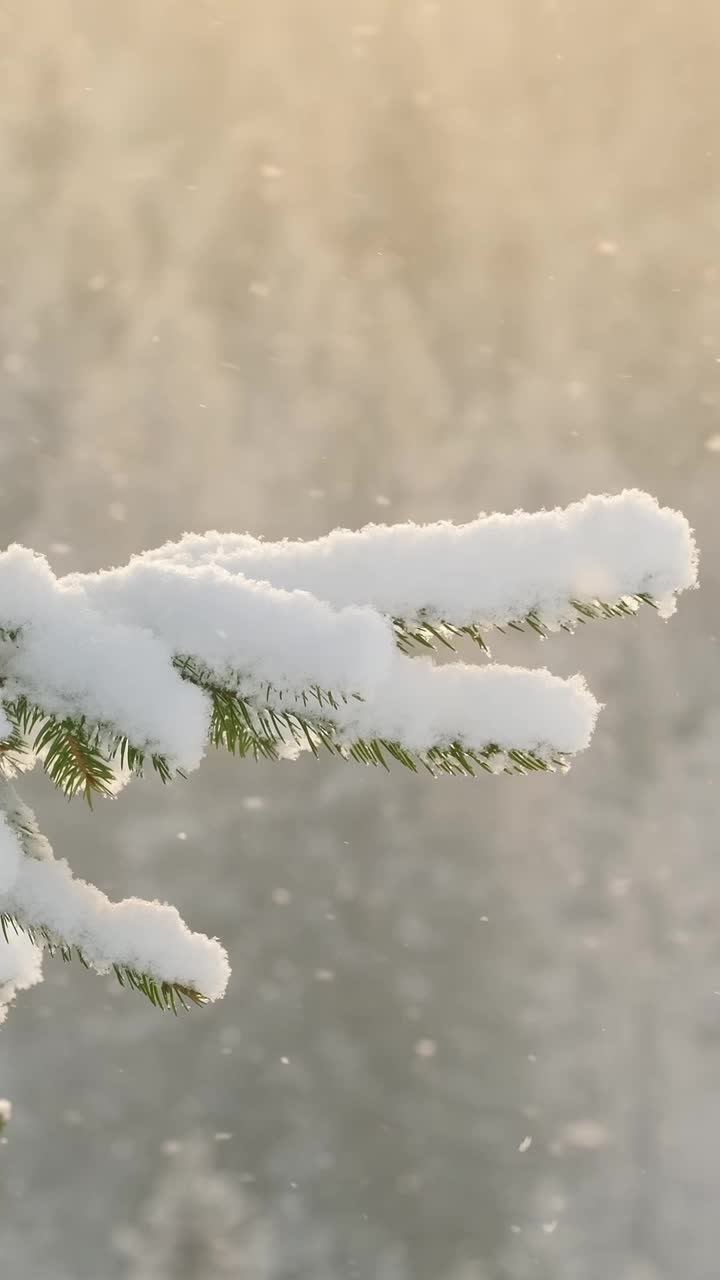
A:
[310, 263]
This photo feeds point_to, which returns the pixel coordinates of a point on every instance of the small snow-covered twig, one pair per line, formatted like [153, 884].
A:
[146, 943]
[420, 713]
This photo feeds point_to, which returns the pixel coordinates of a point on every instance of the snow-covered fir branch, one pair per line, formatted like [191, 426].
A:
[553, 567]
[270, 649]
[43, 905]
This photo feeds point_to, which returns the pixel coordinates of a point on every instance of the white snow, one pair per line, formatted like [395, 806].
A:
[20, 968]
[19, 963]
[422, 705]
[149, 937]
[20, 959]
[233, 624]
[72, 661]
[101, 644]
[19, 830]
[493, 570]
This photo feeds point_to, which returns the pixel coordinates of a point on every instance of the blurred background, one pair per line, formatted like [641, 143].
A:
[286, 266]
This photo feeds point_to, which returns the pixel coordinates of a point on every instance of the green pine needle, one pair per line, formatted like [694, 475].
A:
[430, 632]
[72, 752]
[80, 758]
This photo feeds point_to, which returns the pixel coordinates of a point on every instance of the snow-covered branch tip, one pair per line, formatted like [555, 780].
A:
[43, 906]
[603, 557]
[273, 649]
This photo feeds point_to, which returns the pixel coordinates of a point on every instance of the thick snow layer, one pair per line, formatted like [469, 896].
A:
[20, 968]
[19, 828]
[422, 705]
[102, 643]
[149, 937]
[234, 625]
[493, 570]
[20, 959]
[72, 661]
[286, 638]
[20, 962]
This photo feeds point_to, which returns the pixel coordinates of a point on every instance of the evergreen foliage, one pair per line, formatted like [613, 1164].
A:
[87, 753]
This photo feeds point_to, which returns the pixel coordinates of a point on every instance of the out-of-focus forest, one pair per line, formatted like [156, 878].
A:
[314, 262]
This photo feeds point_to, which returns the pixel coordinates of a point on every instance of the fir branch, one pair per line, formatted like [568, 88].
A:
[71, 751]
[80, 758]
[164, 995]
[71, 754]
[113, 662]
[429, 632]
[243, 728]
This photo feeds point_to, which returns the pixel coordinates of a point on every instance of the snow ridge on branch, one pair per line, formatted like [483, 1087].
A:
[494, 571]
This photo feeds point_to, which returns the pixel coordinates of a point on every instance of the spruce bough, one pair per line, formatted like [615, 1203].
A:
[270, 650]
